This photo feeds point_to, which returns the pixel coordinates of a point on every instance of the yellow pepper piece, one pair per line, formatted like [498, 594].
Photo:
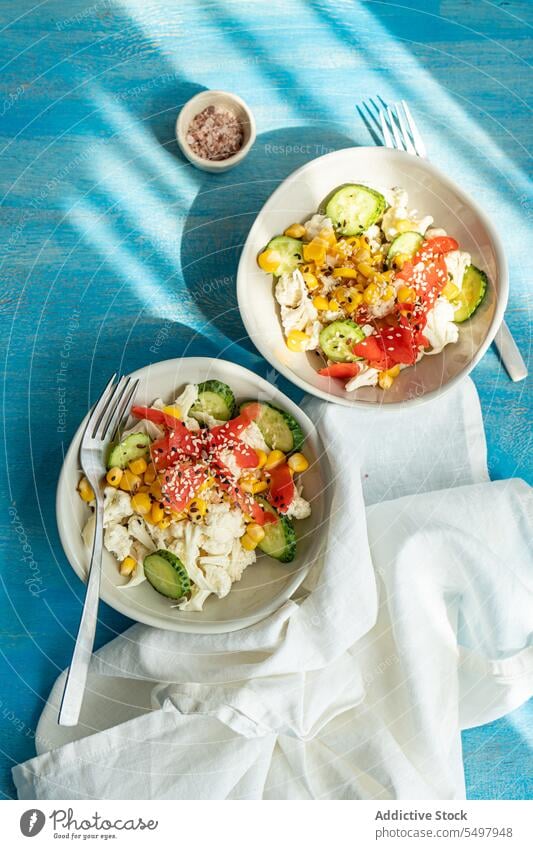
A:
[315, 251]
[252, 485]
[255, 532]
[156, 513]
[297, 341]
[386, 378]
[310, 280]
[261, 458]
[450, 291]
[371, 294]
[173, 410]
[333, 305]
[269, 260]
[320, 303]
[197, 509]
[295, 231]
[345, 272]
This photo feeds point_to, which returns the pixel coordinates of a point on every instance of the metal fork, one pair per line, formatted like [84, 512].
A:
[102, 424]
[398, 130]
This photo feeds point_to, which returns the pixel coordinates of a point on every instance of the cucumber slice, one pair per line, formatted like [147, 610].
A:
[406, 243]
[338, 339]
[280, 430]
[290, 251]
[134, 446]
[473, 290]
[214, 399]
[167, 574]
[353, 208]
[279, 540]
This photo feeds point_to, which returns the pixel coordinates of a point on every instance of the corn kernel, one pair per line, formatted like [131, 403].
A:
[248, 543]
[144, 488]
[268, 261]
[388, 293]
[156, 491]
[156, 513]
[295, 231]
[297, 341]
[320, 302]
[255, 532]
[85, 490]
[406, 295]
[127, 566]
[129, 482]
[173, 410]
[310, 280]
[362, 255]
[141, 503]
[138, 467]
[261, 458]
[275, 458]
[328, 235]
[371, 294]
[177, 517]
[164, 523]
[113, 476]
[386, 378]
[355, 299]
[150, 474]
[197, 509]
[333, 305]
[399, 260]
[298, 462]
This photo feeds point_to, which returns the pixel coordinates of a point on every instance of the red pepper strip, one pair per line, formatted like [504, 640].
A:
[156, 416]
[282, 489]
[372, 350]
[181, 483]
[389, 347]
[228, 436]
[342, 370]
[440, 244]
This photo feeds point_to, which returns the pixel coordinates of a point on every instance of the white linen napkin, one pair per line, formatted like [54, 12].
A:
[337, 695]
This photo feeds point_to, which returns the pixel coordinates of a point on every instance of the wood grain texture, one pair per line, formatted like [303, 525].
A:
[117, 253]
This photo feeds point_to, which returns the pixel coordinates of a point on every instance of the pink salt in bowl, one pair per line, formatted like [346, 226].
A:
[229, 125]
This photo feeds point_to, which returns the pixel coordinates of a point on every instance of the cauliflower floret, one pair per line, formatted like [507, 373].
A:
[227, 458]
[366, 377]
[296, 307]
[440, 329]
[457, 262]
[373, 235]
[117, 541]
[252, 436]
[196, 602]
[218, 579]
[117, 505]
[315, 224]
[138, 529]
[299, 508]
[240, 559]
[398, 212]
[223, 524]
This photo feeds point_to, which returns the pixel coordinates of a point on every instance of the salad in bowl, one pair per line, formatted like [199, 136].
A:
[370, 285]
[195, 488]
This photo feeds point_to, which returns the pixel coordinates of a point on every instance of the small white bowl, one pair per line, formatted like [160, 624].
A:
[432, 193]
[227, 101]
[266, 585]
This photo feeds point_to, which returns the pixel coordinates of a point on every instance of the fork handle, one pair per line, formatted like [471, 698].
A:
[69, 711]
[509, 353]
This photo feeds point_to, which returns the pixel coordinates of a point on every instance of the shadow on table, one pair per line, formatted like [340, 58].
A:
[224, 210]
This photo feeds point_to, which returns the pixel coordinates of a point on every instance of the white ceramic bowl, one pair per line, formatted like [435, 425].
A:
[228, 101]
[299, 196]
[265, 585]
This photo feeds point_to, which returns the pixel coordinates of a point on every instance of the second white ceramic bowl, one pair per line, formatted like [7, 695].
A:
[265, 585]
[431, 193]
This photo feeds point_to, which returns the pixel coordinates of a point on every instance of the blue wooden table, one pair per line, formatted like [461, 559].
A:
[115, 252]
